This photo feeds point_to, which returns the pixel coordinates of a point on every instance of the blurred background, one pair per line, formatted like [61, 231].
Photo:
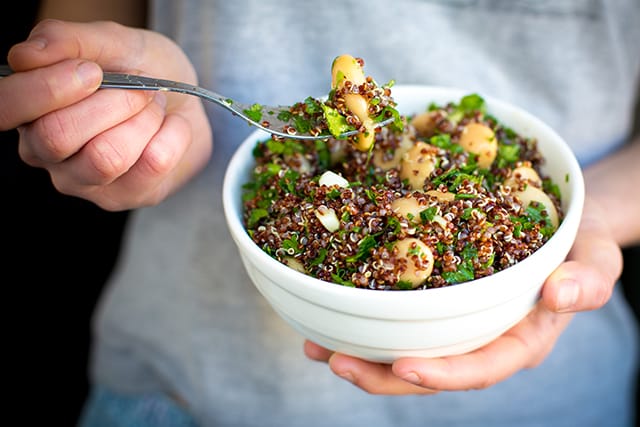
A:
[61, 250]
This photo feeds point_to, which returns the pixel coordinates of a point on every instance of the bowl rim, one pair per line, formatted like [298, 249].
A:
[420, 302]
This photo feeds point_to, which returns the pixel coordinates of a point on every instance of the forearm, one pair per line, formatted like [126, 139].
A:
[614, 183]
[126, 12]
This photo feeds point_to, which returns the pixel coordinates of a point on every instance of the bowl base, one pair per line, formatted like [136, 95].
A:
[387, 356]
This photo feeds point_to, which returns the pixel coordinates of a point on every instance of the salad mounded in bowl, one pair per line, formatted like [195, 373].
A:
[443, 196]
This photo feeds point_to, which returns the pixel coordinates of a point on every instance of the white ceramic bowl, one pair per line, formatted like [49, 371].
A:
[385, 325]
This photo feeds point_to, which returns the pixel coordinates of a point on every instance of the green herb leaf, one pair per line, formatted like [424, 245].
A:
[472, 103]
[444, 141]
[324, 155]
[364, 248]
[428, 214]
[464, 273]
[404, 284]
[254, 112]
[335, 121]
[322, 254]
[550, 187]
[508, 154]
[256, 215]
[292, 243]
[288, 181]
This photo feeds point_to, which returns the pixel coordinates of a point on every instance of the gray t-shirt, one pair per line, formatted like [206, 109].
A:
[181, 316]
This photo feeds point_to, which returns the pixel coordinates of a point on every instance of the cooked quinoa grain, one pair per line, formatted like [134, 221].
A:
[420, 210]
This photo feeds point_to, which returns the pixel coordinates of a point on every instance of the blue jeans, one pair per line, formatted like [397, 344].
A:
[105, 408]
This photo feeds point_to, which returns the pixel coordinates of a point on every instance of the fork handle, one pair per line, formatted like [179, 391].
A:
[130, 81]
[5, 70]
[114, 80]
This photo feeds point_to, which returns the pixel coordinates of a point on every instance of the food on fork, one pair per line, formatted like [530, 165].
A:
[359, 99]
[355, 104]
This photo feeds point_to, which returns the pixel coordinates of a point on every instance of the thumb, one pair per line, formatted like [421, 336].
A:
[113, 46]
[586, 280]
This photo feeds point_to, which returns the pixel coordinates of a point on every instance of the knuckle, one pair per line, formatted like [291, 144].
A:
[46, 25]
[107, 159]
[110, 25]
[51, 87]
[65, 185]
[159, 161]
[133, 101]
[55, 133]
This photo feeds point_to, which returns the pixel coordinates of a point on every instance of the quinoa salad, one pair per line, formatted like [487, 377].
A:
[439, 198]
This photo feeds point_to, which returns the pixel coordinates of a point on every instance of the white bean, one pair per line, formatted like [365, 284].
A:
[424, 123]
[534, 194]
[480, 139]
[408, 207]
[523, 174]
[294, 263]
[346, 67]
[328, 218]
[442, 197]
[330, 178]
[417, 165]
[358, 105]
[419, 261]
[385, 164]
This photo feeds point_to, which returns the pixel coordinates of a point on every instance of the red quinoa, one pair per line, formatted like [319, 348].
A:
[483, 229]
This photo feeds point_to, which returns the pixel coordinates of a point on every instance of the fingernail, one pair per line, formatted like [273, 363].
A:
[160, 99]
[568, 293]
[37, 42]
[412, 378]
[86, 72]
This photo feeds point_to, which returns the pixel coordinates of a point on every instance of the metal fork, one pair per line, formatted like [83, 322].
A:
[274, 120]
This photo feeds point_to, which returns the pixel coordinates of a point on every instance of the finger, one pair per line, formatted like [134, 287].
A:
[112, 153]
[594, 244]
[576, 286]
[155, 174]
[523, 346]
[374, 378]
[587, 280]
[51, 41]
[48, 89]
[315, 352]
[113, 46]
[62, 133]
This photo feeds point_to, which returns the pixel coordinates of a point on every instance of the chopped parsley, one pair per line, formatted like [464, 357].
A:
[464, 273]
[507, 155]
[428, 214]
[468, 104]
[281, 200]
[337, 122]
[291, 245]
[364, 248]
[254, 112]
[444, 141]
